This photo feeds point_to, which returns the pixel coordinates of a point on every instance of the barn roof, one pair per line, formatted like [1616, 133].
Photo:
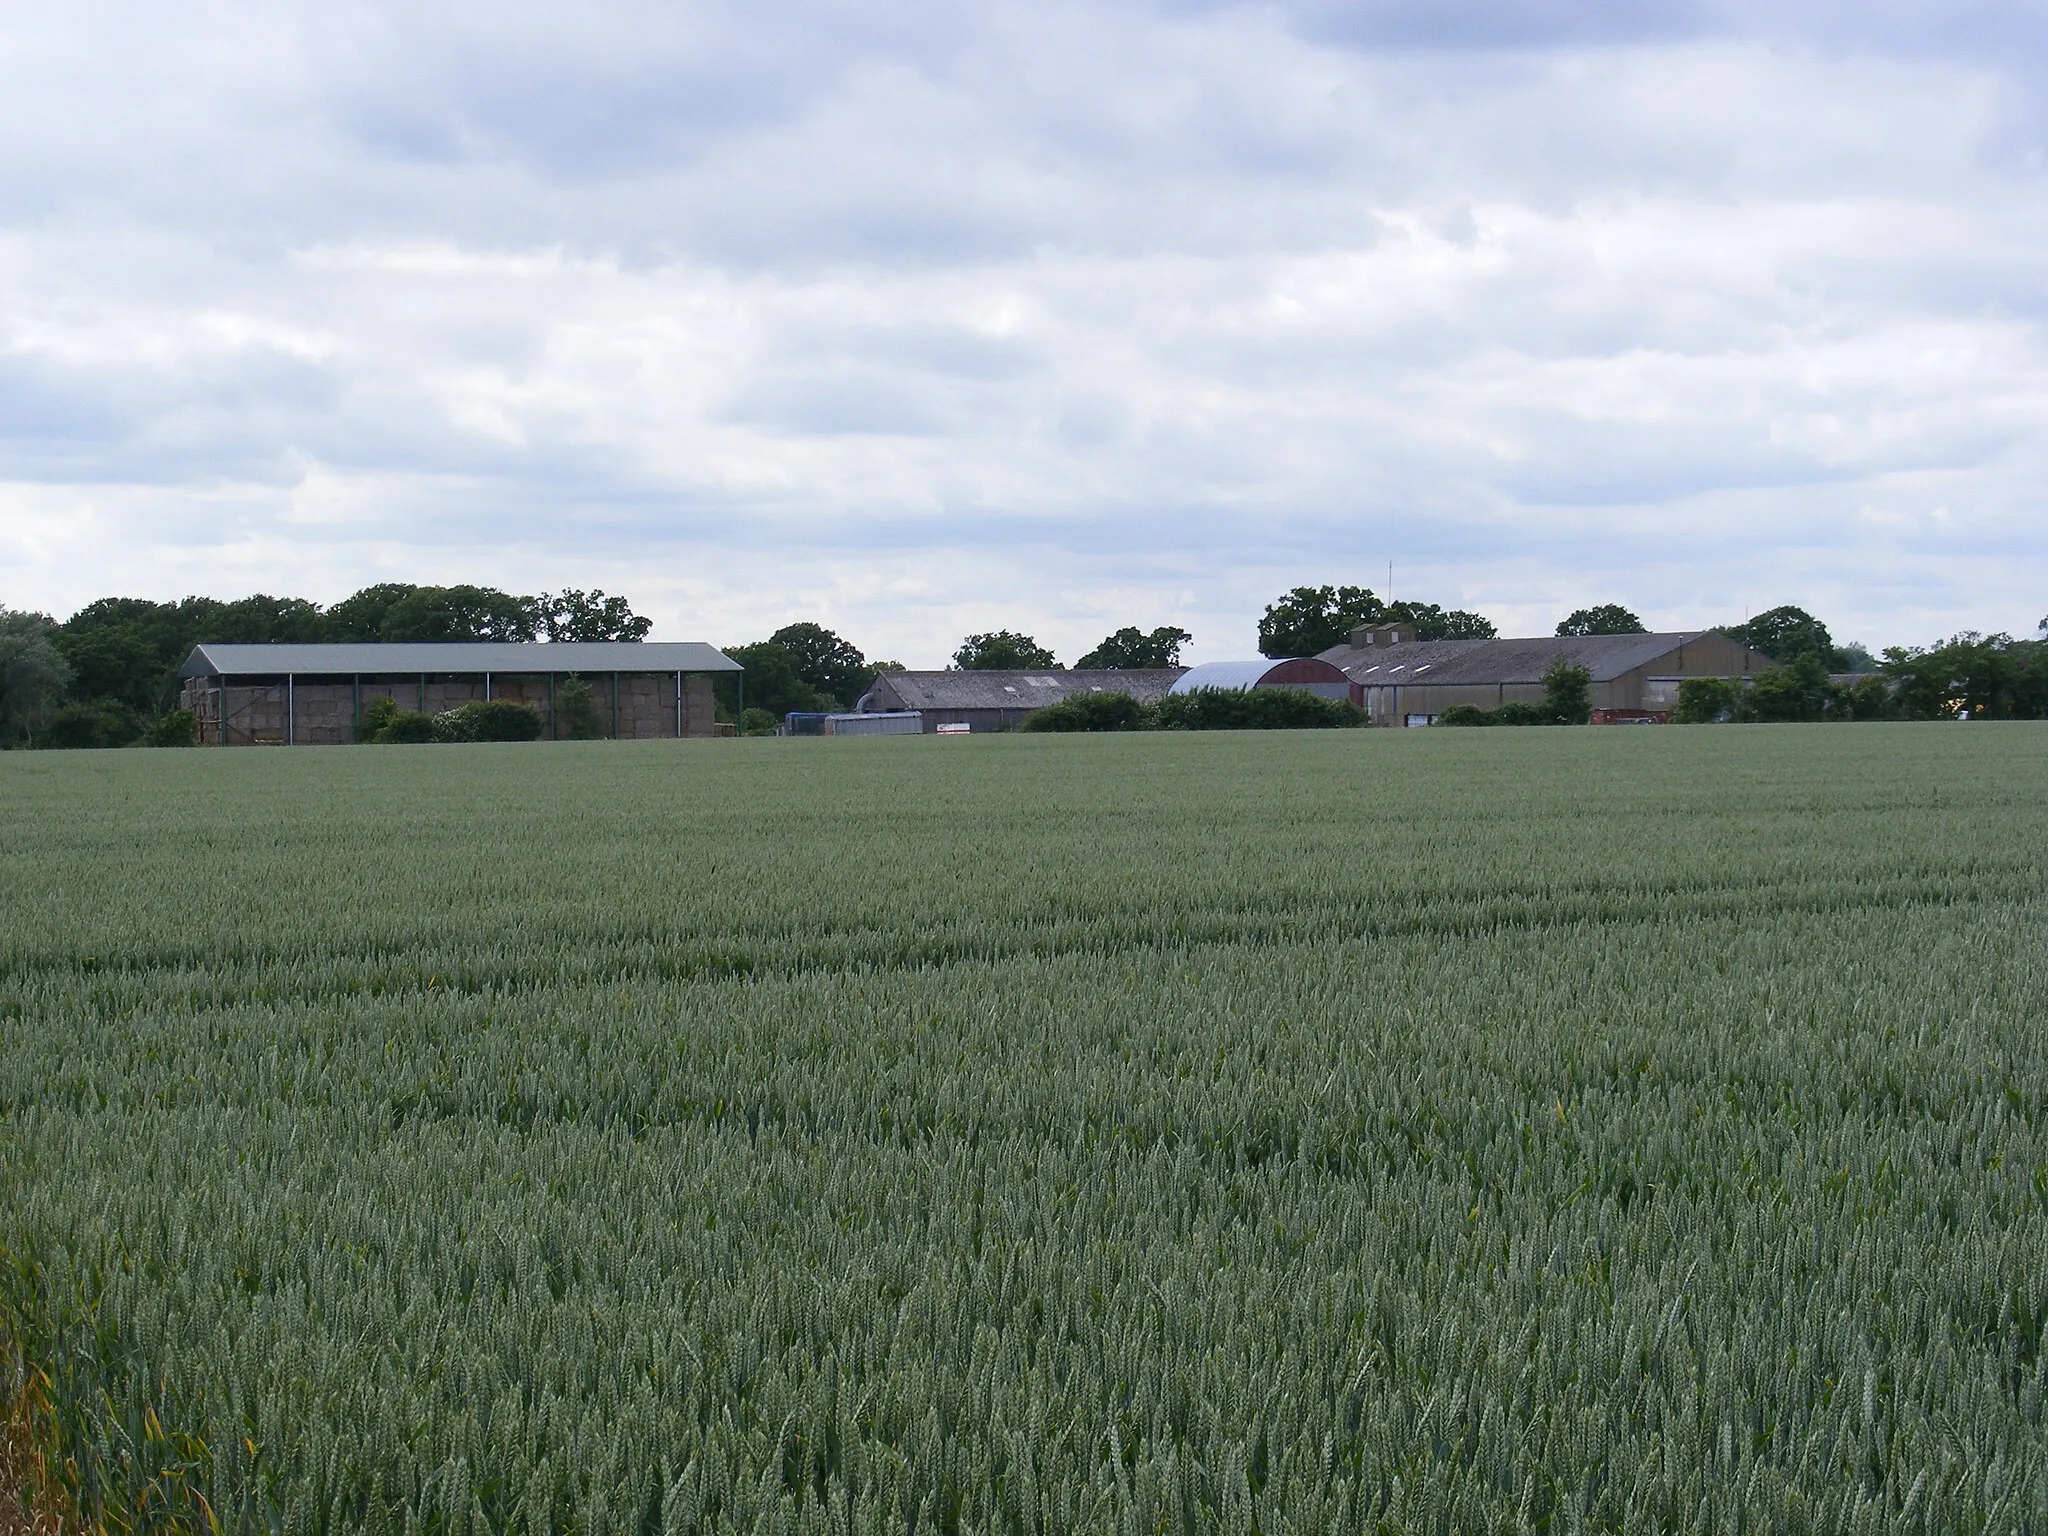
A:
[510, 657]
[1223, 674]
[1294, 671]
[1467, 662]
[1028, 689]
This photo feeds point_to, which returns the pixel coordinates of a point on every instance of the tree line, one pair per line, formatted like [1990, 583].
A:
[107, 676]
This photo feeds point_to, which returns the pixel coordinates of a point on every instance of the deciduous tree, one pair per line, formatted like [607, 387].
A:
[1130, 648]
[1002, 650]
[1606, 619]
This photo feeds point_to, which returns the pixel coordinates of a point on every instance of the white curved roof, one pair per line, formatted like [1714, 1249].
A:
[1223, 674]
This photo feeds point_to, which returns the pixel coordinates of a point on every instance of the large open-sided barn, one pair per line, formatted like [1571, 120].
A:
[1398, 680]
[1001, 701]
[308, 695]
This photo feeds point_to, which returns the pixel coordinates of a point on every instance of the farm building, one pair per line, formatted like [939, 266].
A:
[313, 695]
[1309, 674]
[1402, 681]
[1000, 701]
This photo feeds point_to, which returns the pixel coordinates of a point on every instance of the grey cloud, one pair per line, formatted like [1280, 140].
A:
[1181, 300]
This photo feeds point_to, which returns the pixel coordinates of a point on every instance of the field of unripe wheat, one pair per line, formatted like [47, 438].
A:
[1322, 1132]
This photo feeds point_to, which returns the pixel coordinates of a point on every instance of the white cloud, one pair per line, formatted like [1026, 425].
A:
[1052, 317]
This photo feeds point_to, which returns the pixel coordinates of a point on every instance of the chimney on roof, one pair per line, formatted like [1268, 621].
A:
[1382, 634]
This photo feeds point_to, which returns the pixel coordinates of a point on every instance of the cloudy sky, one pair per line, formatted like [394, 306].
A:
[919, 319]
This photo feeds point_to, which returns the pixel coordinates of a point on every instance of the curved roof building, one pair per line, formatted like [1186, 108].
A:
[1307, 673]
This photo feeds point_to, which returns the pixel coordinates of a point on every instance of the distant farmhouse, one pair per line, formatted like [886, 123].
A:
[1398, 680]
[1000, 701]
[308, 695]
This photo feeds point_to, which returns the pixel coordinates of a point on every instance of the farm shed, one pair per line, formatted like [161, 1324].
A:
[898, 722]
[1402, 681]
[1306, 673]
[313, 695]
[1000, 701]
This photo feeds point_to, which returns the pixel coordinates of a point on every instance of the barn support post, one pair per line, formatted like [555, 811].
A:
[423, 693]
[553, 734]
[615, 706]
[355, 694]
[679, 703]
[223, 700]
[487, 687]
[291, 710]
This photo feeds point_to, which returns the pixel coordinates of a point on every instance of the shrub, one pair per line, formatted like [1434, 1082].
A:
[1253, 709]
[1508, 714]
[375, 716]
[1090, 712]
[179, 728]
[407, 727]
[1797, 691]
[1706, 701]
[387, 724]
[757, 722]
[576, 712]
[489, 720]
[1567, 694]
[1466, 714]
[93, 723]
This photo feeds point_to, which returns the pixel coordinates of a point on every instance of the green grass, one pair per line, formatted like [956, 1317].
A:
[1431, 1131]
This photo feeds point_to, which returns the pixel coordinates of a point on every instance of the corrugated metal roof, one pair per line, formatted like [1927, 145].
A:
[1480, 662]
[1014, 690]
[510, 657]
[1224, 674]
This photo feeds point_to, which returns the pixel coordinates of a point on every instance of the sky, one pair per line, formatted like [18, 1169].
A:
[925, 319]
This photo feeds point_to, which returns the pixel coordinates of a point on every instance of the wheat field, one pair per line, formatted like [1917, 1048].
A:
[1546, 1130]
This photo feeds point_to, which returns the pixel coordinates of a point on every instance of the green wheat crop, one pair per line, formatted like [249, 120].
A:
[1322, 1132]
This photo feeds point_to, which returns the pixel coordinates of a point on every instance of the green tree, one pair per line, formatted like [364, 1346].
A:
[176, 728]
[1606, 619]
[258, 620]
[1310, 619]
[89, 723]
[116, 664]
[772, 683]
[577, 715]
[1434, 623]
[1981, 677]
[1707, 701]
[1786, 634]
[826, 662]
[1002, 651]
[1130, 648]
[33, 675]
[572, 615]
[359, 617]
[1567, 695]
[1797, 691]
[460, 613]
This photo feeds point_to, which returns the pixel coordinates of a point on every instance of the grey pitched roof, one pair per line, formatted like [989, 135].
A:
[1015, 690]
[1468, 662]
[510, 657]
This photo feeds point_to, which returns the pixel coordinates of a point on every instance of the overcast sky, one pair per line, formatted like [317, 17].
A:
[917, 319]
